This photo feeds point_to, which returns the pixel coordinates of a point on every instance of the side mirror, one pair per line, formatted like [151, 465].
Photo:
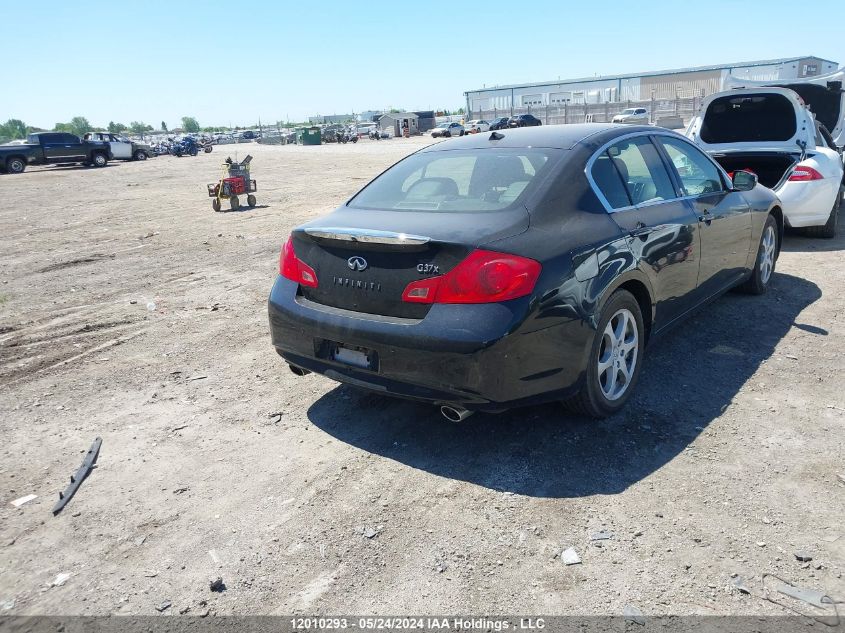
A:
[744, 180]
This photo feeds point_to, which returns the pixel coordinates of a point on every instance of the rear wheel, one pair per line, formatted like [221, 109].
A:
[215, 204]
[767, 256]
[236, 204]
[15, 165]
[140, 155]
[613, 365]
[99, 160]
[250, 200]
[828, 229]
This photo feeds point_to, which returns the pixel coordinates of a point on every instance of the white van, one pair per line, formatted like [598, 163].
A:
[771, 133]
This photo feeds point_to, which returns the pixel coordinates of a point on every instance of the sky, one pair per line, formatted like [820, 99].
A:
[233, 63]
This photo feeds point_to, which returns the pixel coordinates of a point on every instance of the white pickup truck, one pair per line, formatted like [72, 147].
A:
[122, 148]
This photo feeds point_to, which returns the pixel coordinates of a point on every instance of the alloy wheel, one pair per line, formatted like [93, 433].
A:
[767, 254]
[617, 356]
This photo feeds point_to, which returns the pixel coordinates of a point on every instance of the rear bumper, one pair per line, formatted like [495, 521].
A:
[481, 357]
[808, 203]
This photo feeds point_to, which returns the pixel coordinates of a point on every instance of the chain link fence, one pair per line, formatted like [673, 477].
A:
[674, 113]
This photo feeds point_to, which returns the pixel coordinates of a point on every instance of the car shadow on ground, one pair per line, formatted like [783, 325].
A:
[35, 169]
[689, 378]
[795, 242]
[243, 208]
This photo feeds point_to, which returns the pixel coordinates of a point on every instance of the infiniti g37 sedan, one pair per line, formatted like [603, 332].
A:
[520, 266]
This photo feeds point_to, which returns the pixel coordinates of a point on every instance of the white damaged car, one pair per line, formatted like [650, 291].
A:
[772, 133]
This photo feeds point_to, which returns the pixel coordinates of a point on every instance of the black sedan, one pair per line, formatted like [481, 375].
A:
[520, 266]
[524, 120]
[499, 124]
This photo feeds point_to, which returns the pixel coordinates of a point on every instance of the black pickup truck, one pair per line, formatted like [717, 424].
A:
[53, 148]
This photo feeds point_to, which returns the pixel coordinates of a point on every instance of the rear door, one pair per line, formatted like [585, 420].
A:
[60, 147]
[662, 229]
[724, 216]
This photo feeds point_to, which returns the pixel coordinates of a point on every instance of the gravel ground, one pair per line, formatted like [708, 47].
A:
[130, 311]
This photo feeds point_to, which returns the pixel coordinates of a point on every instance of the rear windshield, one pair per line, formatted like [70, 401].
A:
[458, 180]
[749, 118]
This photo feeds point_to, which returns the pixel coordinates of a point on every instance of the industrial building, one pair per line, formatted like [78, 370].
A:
[667, 91]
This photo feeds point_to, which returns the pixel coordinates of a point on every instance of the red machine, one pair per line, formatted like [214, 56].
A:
[235, 182]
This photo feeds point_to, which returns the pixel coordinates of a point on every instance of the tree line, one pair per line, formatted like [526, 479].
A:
[14, 129]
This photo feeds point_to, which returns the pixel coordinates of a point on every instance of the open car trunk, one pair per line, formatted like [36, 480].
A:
[771, 167]
[822, 93]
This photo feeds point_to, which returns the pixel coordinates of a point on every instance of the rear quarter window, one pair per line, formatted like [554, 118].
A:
[749, 118]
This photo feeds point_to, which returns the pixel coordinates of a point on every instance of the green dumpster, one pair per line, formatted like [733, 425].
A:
[309, 136]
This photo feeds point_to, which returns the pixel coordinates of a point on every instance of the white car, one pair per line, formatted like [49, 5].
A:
[122, 147]
[477, 125]
[772, 133]
[637, 116]
[447, 130]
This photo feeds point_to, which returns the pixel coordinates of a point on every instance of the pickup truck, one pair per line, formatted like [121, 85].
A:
[53, 148]
[121, 147]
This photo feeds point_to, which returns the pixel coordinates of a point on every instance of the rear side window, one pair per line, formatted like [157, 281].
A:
[749, 118]
[461, 181]
[631, 172]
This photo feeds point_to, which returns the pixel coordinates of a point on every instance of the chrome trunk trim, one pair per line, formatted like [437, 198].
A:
[366, 236]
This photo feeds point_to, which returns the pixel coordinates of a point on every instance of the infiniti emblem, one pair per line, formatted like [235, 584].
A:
[357, 263]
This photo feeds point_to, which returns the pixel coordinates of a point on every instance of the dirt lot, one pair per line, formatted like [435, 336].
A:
[130, 311]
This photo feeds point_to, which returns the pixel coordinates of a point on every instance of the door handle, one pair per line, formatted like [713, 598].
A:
[706, 217]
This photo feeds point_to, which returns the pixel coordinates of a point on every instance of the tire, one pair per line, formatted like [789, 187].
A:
[236, 204]
[15, 165]
[215, 204]
[617, 351]
[462, 133]
[207, 149]
[141, 155]
[446, 135]
[828, 229]
[99, 160]
[250, 200]
[767, 257]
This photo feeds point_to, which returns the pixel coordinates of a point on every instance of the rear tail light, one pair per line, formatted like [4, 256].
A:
[483, 277]
[293, 268]
[804, 174]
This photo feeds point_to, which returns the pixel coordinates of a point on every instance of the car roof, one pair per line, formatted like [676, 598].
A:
[551, 136]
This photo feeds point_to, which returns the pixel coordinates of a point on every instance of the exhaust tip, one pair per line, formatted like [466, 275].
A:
[455, 414]
[298, 370]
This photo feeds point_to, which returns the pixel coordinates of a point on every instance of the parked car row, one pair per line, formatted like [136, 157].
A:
[475, 126]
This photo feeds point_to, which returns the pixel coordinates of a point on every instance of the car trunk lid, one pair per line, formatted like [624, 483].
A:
[753, 120]
[365, 259]
[823, 94]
